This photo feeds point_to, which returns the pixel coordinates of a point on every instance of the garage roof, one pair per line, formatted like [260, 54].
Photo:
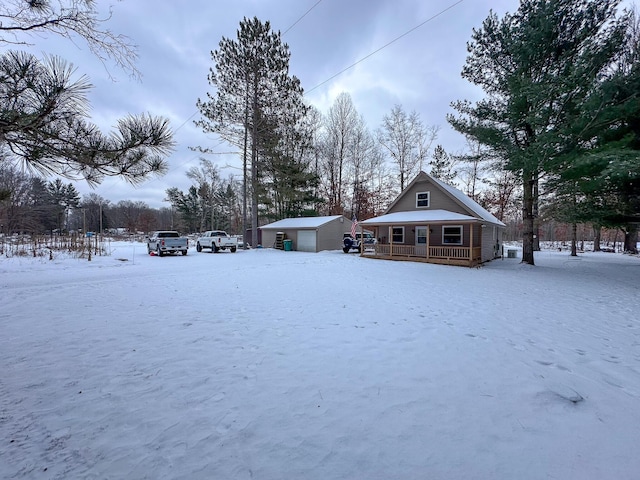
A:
[302, 222]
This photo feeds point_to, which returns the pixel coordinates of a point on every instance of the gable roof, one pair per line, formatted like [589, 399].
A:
[420, 217]
[302, 222]
[461, 198]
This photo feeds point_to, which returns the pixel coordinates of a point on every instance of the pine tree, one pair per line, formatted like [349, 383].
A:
[63, 198]
[254, 92]
[442, 166]
[536, 67]
[44, 120]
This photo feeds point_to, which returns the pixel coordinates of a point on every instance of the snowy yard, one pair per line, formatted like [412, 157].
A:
[287, 365]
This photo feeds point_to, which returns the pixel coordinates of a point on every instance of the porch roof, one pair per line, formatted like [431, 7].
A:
[419, 217]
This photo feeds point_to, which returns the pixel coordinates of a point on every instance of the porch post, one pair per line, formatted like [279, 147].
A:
[470, 244]
[390, 241]
[428, 240]
[375, 246]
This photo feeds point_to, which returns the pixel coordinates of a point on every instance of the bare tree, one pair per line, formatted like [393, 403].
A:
[473, 164]
[69, 19]
[407, 141]
[207, 181]
[340, 128]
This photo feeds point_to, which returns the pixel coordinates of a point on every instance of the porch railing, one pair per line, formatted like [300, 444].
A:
[420, 252]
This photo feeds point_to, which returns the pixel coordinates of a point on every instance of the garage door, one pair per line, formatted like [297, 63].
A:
[306, 240]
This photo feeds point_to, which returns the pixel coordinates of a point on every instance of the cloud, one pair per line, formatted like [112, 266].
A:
[421, 71]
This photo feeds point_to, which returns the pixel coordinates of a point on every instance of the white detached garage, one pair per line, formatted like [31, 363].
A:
[308, 234]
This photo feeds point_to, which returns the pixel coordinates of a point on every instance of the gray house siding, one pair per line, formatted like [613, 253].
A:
[330, 235]
[491, 242]
[437, 200]
[435, 234]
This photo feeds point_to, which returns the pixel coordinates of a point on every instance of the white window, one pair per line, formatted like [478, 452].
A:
[422, 200]
[452, 235]
[397, 234]
[421, 235]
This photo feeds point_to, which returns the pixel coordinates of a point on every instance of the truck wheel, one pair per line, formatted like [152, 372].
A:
[233, 249]
[159, 252]
[184, 252]
[198, 247]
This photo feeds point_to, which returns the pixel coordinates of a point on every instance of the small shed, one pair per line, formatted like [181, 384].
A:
[308, 234]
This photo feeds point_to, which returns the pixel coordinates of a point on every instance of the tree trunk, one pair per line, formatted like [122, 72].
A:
[527, 219]
[254, 165]
[631, 239]
[574, 239]
[245, 143]
[597, 231]
[536, 217]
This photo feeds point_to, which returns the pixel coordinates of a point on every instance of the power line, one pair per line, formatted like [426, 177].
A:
[433, 17]
[185, 122]
[387, 44]
[303, 15]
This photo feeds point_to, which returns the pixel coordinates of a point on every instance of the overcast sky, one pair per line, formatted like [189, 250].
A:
[420, 71]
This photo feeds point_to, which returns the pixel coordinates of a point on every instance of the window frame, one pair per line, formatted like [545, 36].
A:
[425, 236]
[393, 234]
[418, 200]
[460, 229]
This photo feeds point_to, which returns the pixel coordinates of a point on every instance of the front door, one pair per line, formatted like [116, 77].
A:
[421, 241]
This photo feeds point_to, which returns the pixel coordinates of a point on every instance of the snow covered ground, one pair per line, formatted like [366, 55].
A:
[287, 365]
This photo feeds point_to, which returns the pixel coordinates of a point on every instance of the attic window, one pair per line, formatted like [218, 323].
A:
[422, 200]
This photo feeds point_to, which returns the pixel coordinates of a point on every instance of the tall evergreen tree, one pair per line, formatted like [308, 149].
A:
[188, 206]
[63, 198]
[536, 67]
[254, 91]
[612, 166]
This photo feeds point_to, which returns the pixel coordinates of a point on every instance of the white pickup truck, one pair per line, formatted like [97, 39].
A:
[167, 241]
[216, 240]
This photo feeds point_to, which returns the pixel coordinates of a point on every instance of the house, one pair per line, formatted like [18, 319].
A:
[434, 222]
[307, 234]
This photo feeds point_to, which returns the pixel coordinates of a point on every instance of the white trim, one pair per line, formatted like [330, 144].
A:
[428, 199]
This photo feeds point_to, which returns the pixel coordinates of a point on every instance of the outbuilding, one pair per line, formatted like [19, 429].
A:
[307, 234]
